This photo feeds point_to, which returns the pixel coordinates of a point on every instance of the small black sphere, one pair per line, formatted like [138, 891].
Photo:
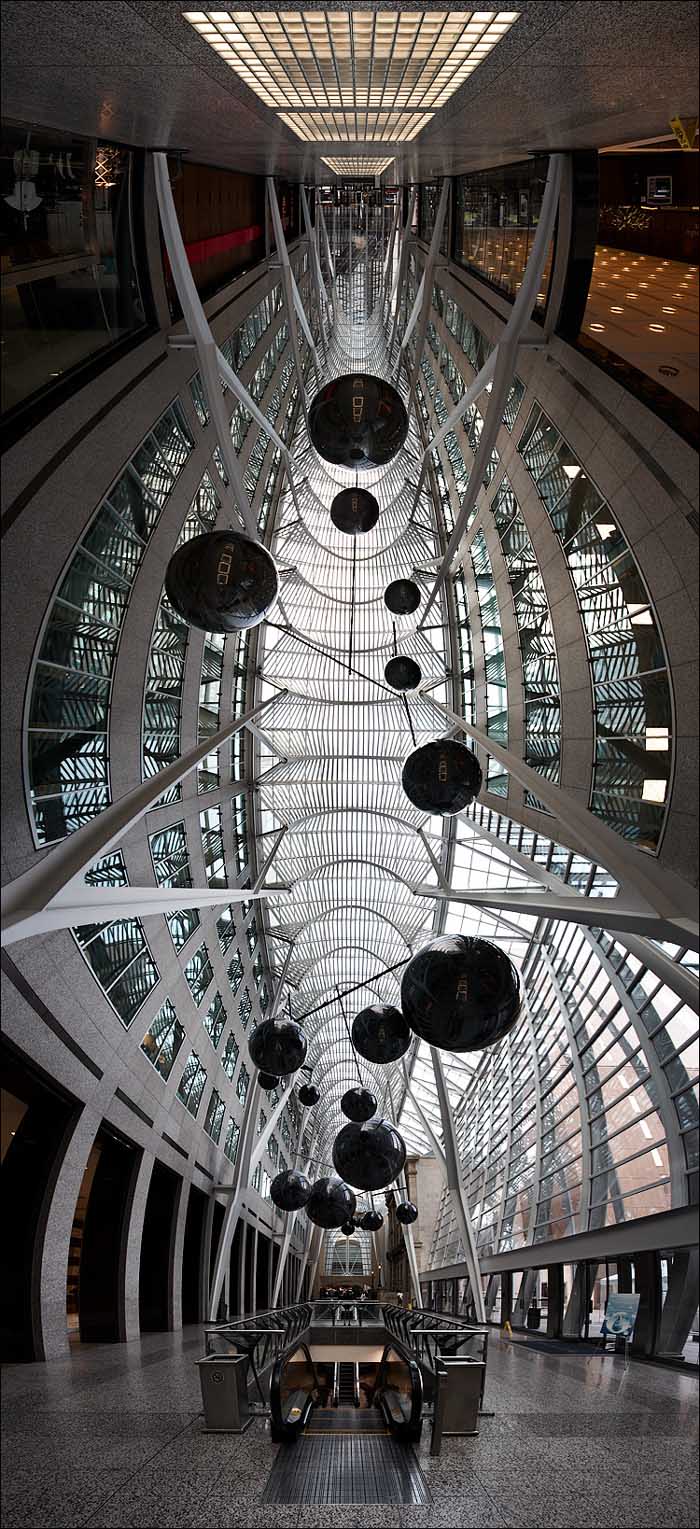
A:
[442, 777]
[406, 1213]
[460, 994]
[354, 511]
[308, 1094]
[221, 582]
[369, 1156]
[358, 1104]
[402, 673]
[380, 1033]
[267, 1080]
[290, 1190]
[358, 421]
[371, 1221]
[278, 1046]
[402, 597]
[331, 1203]
[348, 1229]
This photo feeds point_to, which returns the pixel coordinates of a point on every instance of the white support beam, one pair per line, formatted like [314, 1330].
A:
[646, 887]
[60, 873]
[504, 366]
[594, 912]
[102, 905]
[400, 278]
[291, 1217]
[319, 284]
[260, 878]
[198, 327]
[288, 287]
[474, 391]
[456, 1185]
[240, 1187]
[426, 287]
[436, 1145]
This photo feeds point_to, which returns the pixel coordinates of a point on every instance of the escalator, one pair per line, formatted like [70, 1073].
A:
[345, 1398]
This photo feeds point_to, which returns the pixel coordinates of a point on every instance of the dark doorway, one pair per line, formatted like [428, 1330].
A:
[262, 1274]
[235, 1269]
[157, 1250]
[98, 1264]
[192, 1255]
[38, 1121]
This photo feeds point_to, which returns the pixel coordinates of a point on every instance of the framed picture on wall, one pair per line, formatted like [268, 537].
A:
[660, 188]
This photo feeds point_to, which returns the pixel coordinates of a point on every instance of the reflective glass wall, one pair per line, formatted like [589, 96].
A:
[495, 220]
[73, 281]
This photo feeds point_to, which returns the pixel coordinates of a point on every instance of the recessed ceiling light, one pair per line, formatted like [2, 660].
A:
[658, 328]
[597, 327]
[353, 75]
[656, 740]
[668, 310]
[654, 791]
[617, 310]
[643, 283]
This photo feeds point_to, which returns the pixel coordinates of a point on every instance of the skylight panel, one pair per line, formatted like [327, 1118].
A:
[385, 72]
[360, 168]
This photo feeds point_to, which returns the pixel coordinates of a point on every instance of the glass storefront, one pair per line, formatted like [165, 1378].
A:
[70, 283]
[495, 221]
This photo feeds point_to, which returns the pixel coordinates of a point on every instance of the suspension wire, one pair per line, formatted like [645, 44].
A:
[374, 978]
[409, 719]
[324, 653]
[349, 1036]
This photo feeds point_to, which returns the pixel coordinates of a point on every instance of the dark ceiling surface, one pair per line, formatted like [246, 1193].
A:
[567, 75]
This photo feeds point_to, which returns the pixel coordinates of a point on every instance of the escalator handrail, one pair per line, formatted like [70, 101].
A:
[281, 1427]
[410, 1428]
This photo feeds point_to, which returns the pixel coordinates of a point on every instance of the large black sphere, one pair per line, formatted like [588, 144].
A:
[290, 1190]
[354, 511]
[460, 994]
[442, 777]
[331, 1203]
[380, 1033]
[358, 421]
[402, 597]
[278, 1046]
[369, 1156]
[268, 1080]
[402, 673]
[371, 1221]
[308, 1094]
[358, 1104]
[348, 1229]
[221, 582]
[406, 1213]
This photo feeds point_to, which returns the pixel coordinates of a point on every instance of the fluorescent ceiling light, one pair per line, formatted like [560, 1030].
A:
[353, 75]
[363, 168]
[654, 791]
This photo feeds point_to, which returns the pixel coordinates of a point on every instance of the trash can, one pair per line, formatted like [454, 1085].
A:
[534, 1317]
[224, 1382]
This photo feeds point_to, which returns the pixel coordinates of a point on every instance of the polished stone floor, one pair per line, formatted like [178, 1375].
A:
[112, 1437]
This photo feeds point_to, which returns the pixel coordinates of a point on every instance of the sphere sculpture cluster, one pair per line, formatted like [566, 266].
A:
[442, 777]
[290, 1190]
[358, 1104]
[406, 1213]
[371, 1221]
[268, 1081]
[460, 993]
[358, 421]
[380, 1033]
[221, 582]
[402, 597]
[278, 1046]
[354, 511]
[331, 1203]
[308, 1094]
[369, 1155]
[403, 673]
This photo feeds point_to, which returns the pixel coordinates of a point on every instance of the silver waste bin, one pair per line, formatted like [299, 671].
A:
[459, 1383]
[223, 1379]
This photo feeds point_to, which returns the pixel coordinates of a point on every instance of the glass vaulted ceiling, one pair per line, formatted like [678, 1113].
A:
[334, 746]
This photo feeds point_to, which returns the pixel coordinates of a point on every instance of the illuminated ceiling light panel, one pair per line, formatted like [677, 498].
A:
[353, 75]
[363, 168]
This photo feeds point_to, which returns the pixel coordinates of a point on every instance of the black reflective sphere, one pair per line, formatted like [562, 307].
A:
[221, 582]
[380, 1033]
[358, 1104]
[442, 777]
[403, 673]
[348, 1229]
[354, 511]
[460, 994]
[402, 597]
[290, 1190]
[331, 1203]
[267, 1080]
[308, 1094]
[406, 1213]
[369, 1156]
[278, 1046]
[358, 421]
[371, 1221]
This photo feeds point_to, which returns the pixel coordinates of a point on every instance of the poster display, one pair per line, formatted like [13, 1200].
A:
[620, 1316]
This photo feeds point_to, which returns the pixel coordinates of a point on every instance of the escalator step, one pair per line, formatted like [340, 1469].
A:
[346, 1469]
